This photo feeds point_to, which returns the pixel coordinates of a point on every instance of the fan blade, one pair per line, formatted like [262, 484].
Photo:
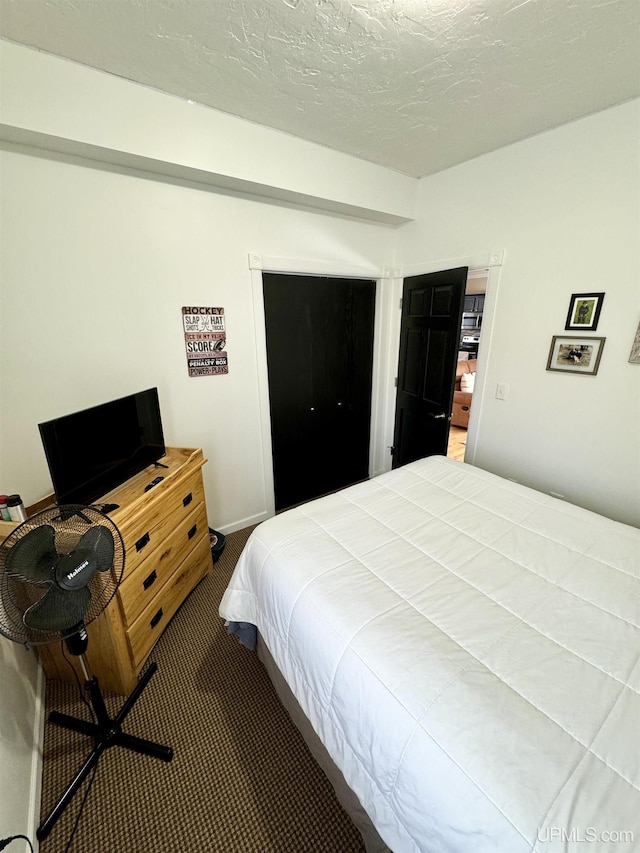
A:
[58, 610]
[99, 540]
[93, 553]
[32, 558]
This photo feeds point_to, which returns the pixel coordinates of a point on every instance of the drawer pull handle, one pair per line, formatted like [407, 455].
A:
[193, 531]
[187, 499]
[142, 541]
[149, 581]
[156, 618]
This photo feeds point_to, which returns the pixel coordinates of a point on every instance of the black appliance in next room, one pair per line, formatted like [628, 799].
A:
[469, 343]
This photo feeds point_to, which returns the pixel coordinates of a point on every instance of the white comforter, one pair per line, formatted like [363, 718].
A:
[467, 649]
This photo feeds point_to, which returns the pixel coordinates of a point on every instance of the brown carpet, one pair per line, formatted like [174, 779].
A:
[241, 780]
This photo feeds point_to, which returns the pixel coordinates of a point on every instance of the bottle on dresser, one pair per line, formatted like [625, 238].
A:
[16, 508]
[4, 509]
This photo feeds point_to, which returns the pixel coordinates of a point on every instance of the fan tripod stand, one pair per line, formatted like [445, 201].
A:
[106, 732]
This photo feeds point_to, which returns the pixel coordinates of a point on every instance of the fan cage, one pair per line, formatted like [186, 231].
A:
[69, 522]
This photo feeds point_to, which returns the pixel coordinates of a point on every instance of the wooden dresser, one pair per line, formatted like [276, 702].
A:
[167, 552]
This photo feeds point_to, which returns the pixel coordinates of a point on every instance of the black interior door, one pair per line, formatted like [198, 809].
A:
[429, 338]
[319, 335]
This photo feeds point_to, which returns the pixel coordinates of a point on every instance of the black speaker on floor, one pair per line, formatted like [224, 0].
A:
[218, 541]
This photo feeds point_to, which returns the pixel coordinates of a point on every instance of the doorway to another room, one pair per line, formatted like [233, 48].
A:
[470, 332]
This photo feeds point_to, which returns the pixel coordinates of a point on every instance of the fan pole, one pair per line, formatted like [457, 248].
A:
[106, 732]
[58, 552]
[85, 668]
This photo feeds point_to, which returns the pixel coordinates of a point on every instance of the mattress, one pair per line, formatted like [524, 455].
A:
[468, 652]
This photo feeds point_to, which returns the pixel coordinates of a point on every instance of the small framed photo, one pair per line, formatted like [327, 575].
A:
[575, 355]
[584, 311]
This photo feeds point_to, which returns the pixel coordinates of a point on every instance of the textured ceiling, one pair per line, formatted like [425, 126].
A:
[414, 85]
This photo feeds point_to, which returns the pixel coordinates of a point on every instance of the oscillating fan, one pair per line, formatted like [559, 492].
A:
[58, 571]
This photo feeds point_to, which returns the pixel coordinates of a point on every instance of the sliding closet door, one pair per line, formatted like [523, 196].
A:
[319, 335]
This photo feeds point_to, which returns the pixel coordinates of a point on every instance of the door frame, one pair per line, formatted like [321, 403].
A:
[296, 266]
[487, 265]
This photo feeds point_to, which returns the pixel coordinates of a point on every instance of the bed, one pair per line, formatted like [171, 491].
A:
[464, 652]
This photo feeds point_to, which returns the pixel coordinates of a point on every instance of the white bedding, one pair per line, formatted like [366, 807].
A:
[467, 649]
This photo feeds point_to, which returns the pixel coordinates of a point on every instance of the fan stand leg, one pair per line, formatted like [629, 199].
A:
[106, 732]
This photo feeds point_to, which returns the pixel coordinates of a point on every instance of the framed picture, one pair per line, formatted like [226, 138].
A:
[575, 355]
[584, 311]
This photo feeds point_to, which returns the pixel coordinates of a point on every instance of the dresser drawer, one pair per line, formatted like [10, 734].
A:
[145, 631]
[142, 584]
[165, 512]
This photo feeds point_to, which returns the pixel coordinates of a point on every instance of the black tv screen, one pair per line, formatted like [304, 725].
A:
[93, 451]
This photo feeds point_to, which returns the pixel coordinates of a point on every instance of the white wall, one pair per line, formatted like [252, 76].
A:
[96, 268]
[61, 106]
[565, 206]
[21, 726]
[99, 257]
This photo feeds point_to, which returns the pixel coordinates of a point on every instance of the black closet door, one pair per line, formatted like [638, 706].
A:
[319, 358]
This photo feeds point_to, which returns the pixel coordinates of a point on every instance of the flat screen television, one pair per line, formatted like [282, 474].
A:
[92, 451]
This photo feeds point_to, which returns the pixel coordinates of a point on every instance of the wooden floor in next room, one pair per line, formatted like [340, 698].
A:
[457, 443]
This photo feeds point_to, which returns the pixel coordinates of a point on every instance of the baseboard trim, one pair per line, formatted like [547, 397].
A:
[244, 522]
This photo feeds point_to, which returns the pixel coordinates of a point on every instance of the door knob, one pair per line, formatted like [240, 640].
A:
[437, 416]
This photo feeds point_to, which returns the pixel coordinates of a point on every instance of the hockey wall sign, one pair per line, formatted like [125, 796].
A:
[205, 341]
